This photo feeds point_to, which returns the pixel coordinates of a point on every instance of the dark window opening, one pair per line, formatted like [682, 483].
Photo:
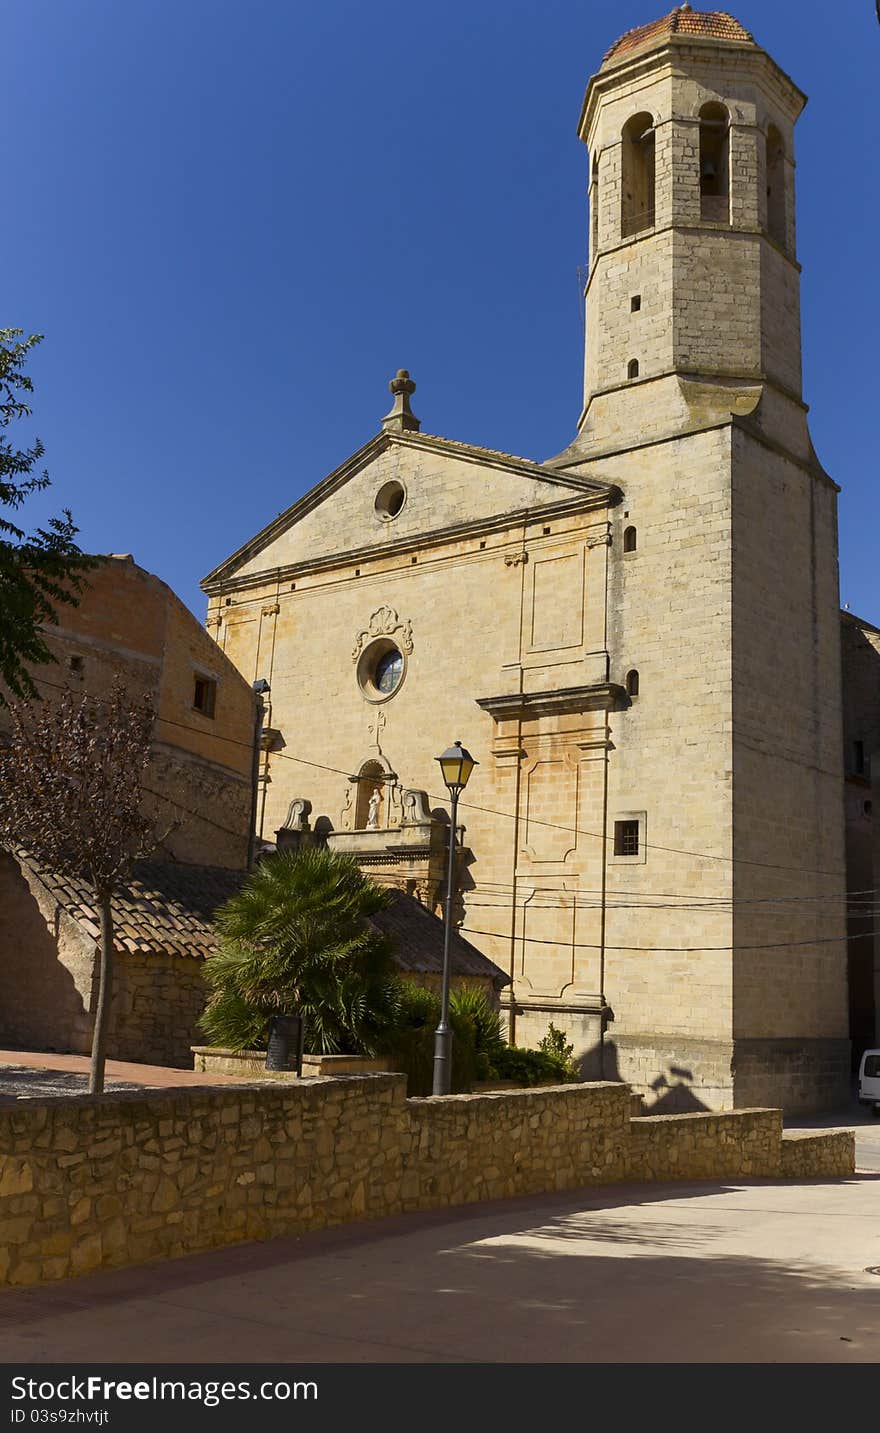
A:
[775, 185]
[204, 696]
[859, 758]
[77, 665]
[632, 368]
[594, 207]
[626, 838]
[714, 164]
[637, 188]
[546, 532]
[635, 303]
[632, 684]
[630, 539]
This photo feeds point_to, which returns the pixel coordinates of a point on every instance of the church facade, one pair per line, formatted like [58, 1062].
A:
[638, 639]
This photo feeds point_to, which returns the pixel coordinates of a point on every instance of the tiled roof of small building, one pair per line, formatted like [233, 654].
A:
[418, 942]
[683, 21]
[167, 908]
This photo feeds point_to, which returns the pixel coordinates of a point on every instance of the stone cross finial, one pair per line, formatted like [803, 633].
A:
[401, 418]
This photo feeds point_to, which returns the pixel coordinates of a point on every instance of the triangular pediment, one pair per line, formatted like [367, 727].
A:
[445, 486]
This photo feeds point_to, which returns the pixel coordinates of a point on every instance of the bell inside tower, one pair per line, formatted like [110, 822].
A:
[714, 164]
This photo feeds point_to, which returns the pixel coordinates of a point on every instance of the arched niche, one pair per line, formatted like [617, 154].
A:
[371, 778]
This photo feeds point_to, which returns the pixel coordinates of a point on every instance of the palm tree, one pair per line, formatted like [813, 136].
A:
[297, 940]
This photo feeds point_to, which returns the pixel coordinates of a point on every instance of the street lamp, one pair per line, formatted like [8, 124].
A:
[456, 763]
[260, 690]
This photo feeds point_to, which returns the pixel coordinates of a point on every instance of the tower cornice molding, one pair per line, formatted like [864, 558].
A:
[687, 227]
[670, 53]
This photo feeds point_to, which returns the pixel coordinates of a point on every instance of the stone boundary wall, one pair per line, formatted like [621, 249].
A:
[729, 1144]
[807, 1154]
[101, 1182]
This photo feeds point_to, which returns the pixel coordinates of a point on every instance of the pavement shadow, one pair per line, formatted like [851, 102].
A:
[566, 1280]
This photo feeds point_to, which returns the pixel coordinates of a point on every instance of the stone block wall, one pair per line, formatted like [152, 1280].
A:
[806, 1155]
[97, 1183]
[733, 1144]
[494, 1146]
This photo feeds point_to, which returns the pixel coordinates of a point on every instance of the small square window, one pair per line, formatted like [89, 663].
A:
[77, 665]
[204, 696]
[626, 838]
[635, 303]
[629, 838]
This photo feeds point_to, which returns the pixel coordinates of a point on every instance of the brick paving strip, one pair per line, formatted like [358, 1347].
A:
[33, 1074]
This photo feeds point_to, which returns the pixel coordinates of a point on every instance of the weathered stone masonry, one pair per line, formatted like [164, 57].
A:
[97, 1183]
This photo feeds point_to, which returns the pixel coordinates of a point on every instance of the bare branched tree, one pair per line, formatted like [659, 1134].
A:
[70, 793]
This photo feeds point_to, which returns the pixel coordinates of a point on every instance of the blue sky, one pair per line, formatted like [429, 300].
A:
[234, 221]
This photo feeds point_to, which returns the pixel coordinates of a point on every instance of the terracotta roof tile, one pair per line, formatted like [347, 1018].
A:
[418, 942]
[683, 21]
[167, 908]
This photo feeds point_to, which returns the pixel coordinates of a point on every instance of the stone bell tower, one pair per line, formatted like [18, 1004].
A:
[724, 957]
[692, 272]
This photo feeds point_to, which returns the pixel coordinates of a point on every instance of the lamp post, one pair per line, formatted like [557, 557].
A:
[260, 690]
[456, 763]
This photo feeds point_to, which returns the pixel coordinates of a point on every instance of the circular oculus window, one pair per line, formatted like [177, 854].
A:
[389, 500]
[380, 670]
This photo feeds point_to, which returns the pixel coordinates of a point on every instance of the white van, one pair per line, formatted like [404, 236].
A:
[869, 1080]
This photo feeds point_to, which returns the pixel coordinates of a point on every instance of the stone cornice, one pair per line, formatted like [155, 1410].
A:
[592, 496]
[686, 226]
[510, 706]
[467, 452]
[743, 423]
[669, 51]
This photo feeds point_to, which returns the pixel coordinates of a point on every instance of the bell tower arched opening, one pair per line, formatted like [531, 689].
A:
[775, 185]
[637, 175]
[715, 163]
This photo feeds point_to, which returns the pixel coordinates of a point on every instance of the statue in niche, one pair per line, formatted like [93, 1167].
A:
[373, 811]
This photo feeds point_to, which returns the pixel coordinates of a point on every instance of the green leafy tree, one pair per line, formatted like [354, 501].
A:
[40, 570]
[297, 940]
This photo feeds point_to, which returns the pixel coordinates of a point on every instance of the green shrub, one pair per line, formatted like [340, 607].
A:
[555, 1045]
[528, 1067]
[409, 1041]
[471, 1002]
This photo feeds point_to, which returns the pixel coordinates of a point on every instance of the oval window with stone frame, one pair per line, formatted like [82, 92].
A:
[381, 670]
